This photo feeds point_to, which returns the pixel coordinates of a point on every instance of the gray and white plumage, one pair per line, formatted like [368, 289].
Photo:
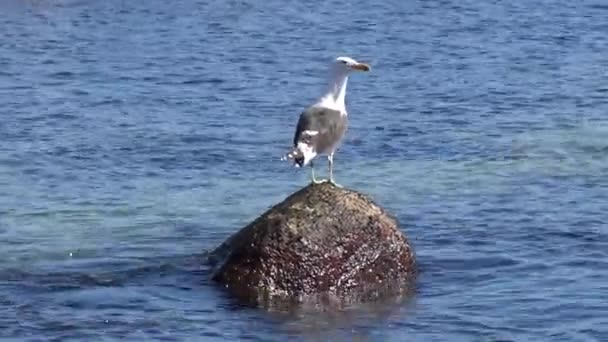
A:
[319, 127]
[322, 126]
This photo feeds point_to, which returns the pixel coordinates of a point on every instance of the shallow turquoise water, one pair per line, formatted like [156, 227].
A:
[137, 136]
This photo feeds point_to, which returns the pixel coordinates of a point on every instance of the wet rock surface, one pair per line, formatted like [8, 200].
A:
[320, 241]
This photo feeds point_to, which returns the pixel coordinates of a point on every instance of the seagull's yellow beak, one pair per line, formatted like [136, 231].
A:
[360, 67]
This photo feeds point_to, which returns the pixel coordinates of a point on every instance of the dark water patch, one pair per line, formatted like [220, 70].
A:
[106, 102]
[203, 81]
[80, 92]
[63, 75]
[598, 7]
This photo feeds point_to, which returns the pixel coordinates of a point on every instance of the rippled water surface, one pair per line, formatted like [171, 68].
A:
[137, 135]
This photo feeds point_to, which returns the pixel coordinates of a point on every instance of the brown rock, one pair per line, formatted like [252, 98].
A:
[321, 240]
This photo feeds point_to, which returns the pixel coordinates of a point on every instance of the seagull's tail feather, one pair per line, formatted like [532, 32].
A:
[297, 155]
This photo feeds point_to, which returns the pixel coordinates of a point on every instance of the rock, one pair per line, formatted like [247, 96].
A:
[320, 241]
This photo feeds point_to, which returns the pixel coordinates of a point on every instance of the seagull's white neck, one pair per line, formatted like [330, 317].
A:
[335, 93]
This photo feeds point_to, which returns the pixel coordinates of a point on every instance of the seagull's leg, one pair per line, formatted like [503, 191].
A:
[330, 158]
[312, 174]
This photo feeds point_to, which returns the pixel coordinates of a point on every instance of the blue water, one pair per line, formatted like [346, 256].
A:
[135, 135]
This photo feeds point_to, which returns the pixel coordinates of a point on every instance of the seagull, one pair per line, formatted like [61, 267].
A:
[322, 126]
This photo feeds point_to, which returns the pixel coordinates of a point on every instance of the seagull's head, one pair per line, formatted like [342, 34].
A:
[347, 65]
[338, 77]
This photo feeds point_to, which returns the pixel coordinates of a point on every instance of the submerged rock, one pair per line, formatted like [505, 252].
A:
[320, 241]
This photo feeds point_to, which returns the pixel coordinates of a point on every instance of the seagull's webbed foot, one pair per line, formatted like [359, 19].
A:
[333, 182]
[317, 181]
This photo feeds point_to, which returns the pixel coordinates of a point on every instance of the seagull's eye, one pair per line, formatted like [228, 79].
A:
[343, 62]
